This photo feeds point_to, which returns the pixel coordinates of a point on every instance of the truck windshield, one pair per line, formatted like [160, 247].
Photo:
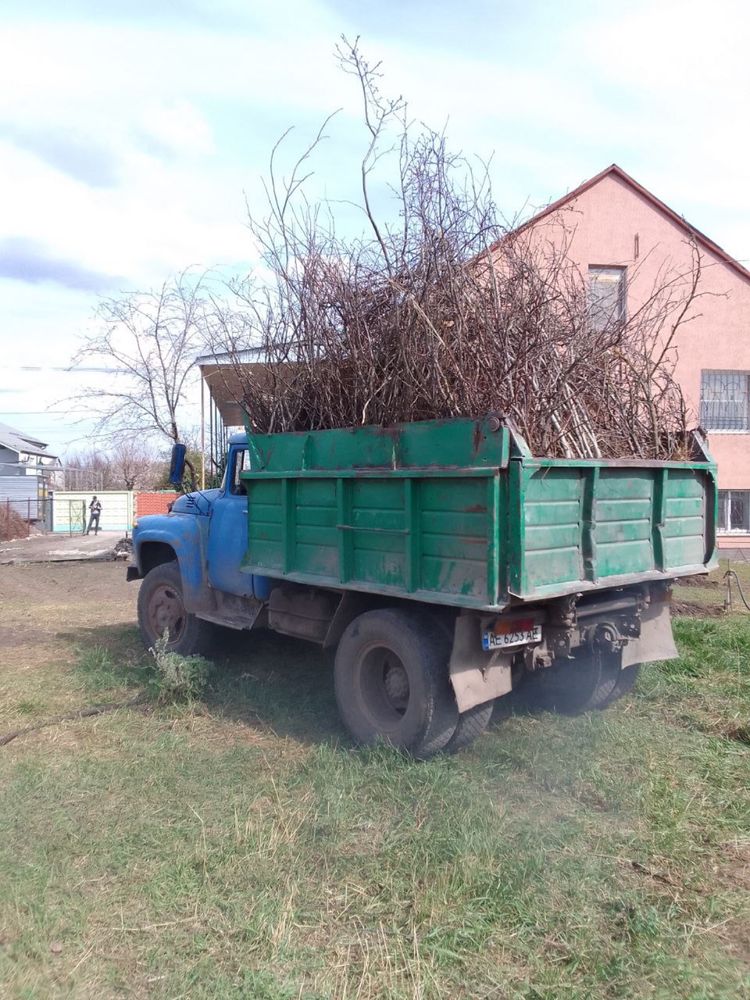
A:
[237, 487]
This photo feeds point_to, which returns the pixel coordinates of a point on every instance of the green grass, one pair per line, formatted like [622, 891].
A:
[708, 593]
[242, 848]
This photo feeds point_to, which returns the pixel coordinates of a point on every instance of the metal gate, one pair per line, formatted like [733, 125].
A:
[76, 515]
[68, 515]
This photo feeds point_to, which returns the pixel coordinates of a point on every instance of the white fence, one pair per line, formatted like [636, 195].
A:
[71, 507]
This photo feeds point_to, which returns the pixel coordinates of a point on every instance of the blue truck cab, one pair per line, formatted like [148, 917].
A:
[198, 547]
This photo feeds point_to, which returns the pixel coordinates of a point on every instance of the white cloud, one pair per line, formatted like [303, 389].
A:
[179, 128]
[125, 145]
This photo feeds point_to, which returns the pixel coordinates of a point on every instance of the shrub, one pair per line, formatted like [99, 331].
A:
[177, 677]
[11, 525]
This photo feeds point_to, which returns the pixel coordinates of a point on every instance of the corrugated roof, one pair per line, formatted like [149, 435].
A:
[17, 440]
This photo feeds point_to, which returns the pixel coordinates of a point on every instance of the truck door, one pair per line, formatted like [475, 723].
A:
[227, 532]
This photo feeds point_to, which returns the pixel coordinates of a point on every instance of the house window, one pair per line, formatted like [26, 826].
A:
[607, 295]
[734, 510]
[724, 401]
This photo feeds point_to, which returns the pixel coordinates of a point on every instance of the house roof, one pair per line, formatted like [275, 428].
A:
[614, 171]
[17, 440]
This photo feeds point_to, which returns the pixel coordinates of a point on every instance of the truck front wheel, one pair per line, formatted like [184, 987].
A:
[161, 608]
[391, 679]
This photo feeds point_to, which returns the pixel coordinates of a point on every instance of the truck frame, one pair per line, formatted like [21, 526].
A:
[444, 564]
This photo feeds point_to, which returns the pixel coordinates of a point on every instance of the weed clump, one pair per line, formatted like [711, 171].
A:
[12, 525]
[177, 678]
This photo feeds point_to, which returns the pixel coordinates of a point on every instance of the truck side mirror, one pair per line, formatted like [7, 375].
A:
[177, 464]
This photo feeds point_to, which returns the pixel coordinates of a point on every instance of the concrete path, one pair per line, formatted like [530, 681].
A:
[58, 548]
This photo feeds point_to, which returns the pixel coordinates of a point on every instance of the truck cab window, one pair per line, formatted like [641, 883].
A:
[240, 464]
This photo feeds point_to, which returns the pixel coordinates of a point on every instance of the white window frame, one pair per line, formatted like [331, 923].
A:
[610, 272]
[725, 498]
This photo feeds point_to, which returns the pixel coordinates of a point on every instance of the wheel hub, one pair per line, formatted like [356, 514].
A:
[396, 685]
[166, 612]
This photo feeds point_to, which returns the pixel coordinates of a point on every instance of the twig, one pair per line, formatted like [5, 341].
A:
[82, 713]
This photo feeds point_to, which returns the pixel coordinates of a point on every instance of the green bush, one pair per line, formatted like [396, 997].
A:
[177, 677]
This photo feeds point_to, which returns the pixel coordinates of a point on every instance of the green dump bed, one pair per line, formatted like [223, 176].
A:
[459, 512]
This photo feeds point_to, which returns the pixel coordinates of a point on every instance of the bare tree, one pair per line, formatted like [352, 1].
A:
[129, 465]
[90, 469]
[150, 341]
[446, 311]
[135, 466]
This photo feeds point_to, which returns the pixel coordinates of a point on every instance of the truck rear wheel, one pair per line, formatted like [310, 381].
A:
[391, 679]
[471, 724]
[623, 685]
[585, 682]
[161, 607]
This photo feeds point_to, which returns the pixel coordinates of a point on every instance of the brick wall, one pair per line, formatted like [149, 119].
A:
[153, 503]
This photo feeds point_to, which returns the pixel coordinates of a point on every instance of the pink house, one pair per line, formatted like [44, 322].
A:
[624, 240]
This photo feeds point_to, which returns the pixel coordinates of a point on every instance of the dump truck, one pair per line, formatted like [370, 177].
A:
[445, 566]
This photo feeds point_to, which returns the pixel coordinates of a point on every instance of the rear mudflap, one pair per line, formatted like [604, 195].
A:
[477, 675]
[656, 641]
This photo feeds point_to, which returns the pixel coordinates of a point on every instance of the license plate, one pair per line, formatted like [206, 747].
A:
[519, 637]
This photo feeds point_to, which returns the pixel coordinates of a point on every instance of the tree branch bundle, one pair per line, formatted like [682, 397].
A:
[445, 313]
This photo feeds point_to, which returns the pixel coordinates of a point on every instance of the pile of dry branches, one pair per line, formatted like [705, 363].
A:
[12, 525]
[447, 313]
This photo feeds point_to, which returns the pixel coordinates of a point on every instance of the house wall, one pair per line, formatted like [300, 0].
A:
[8, 463]
[20, 493]
[600, 227]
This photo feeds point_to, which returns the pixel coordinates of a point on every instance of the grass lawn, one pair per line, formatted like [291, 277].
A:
[242, 848]
[708, 594]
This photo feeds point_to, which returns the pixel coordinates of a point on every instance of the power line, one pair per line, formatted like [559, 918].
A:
[64, 368]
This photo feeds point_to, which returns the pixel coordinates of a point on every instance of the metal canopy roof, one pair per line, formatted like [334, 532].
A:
[225, 390]
[221, 375]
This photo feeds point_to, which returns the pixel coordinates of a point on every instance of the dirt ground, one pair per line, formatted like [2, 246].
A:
[58, 547]
[43, 581]
[48, 611]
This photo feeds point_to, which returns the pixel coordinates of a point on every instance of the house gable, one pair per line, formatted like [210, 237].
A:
[575, 198]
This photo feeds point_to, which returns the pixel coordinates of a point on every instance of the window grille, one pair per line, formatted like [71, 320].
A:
[724, 401]
[734, 511]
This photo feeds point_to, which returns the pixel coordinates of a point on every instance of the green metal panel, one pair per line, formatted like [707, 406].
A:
[430, 444]
[459, 512]
[602, 523]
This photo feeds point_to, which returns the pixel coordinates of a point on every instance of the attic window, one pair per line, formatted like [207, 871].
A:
[606, 296]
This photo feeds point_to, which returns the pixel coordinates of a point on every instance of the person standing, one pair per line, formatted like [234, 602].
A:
[95, 512]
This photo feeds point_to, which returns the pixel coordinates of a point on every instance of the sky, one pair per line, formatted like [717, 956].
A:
[133, 134]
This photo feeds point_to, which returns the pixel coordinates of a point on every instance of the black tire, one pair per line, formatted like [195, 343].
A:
[624, 685]
[392, 685]
[471, 724]
[581, 684]
[160, 607]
